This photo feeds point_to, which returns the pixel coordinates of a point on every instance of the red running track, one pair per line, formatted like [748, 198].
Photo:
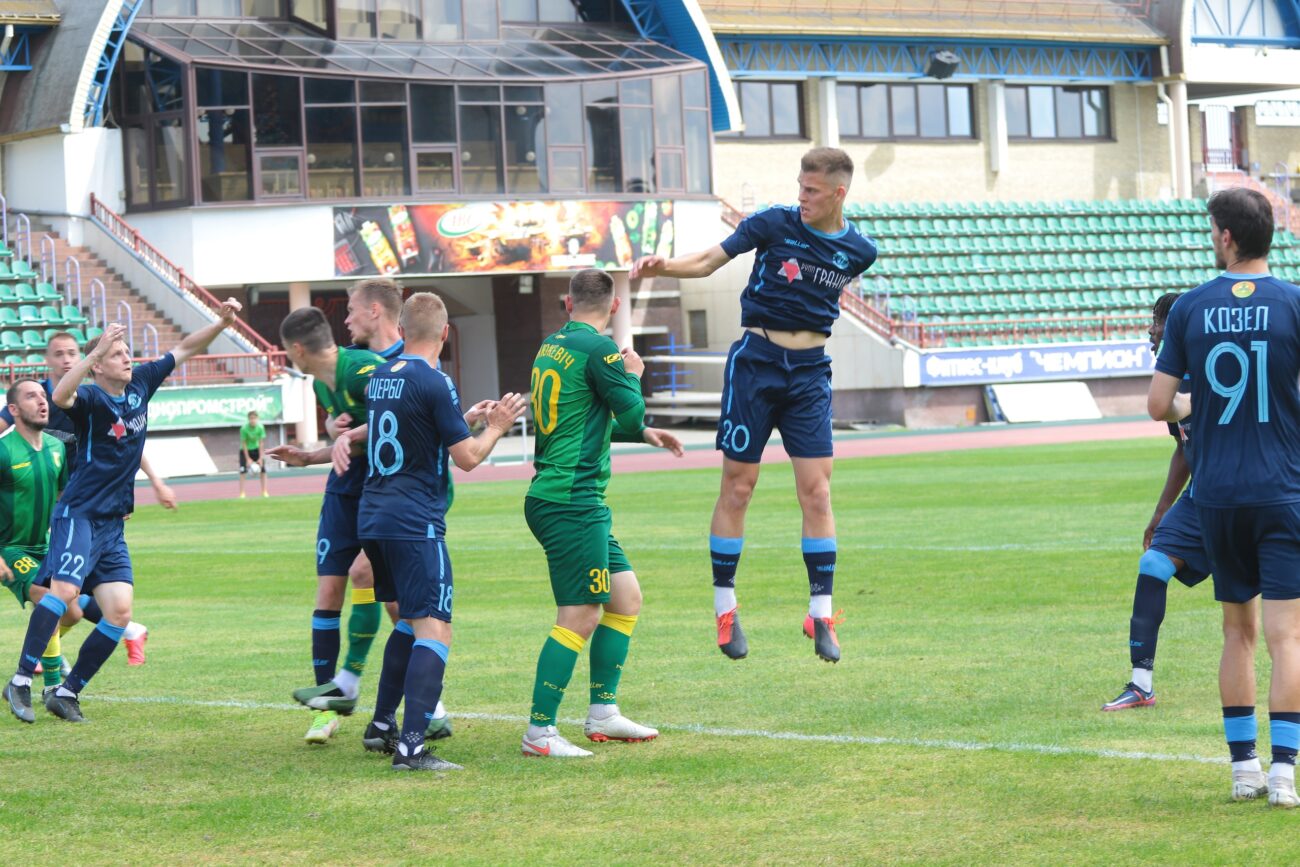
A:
[306, 482]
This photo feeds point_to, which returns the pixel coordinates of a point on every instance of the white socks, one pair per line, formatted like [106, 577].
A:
[724, 600]
[439, 711]
[1142, 678]
[348, 683]
[21, 680]
[133, 631]
[1281, 771]
[819, 606]
[602, 711]
[1250, 765]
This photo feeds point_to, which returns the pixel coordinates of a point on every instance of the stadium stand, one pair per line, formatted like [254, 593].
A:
[981, 274]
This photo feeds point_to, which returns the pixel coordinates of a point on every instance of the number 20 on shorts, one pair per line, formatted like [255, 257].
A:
[599, 581]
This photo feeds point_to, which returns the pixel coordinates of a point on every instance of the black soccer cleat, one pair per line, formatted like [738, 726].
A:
[731, 638]
[64, 706]
[439, 728]
[20, 702]
[826, 644]
[424, 760]
[377, 740]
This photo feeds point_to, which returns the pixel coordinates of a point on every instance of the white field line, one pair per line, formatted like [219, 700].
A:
[762, 734]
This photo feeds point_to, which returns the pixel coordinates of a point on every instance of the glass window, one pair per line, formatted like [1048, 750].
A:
[1069, 113]
[755, 109]
[433, 113]
[383, 151]
[280, 175]
[902, 109]
[959, 113]
[217, 8]
[1096, 113]
[787, 114]
[262, 8]
[635, 92]
[214, 87]
[1017, 100]
[169, 160]
[695, 87]
[311, 11]
[698, 173]
[668, 110]
[875, 111]
[556, 11]
[566, 170]
[1042, 116]
[383, 91]
[480, 20]
[435, 172]
[136, 146]
[441, 20]
[564, 114]
[525, 149]
[638, 150]
[331, 153]
[670, 171]
[604, 161]
[846, 108]
[932, 110]
[225, 160]
[518, 10]
[328, 90]
[480, 93]
[600, 91]
[480, 149]
[399, 19]
[277, 110]
[354, 19]
[173, 8]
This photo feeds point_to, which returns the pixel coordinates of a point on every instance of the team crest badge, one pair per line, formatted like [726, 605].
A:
[840, 259]
[133, 401]
[1244, 289]
[398, 366]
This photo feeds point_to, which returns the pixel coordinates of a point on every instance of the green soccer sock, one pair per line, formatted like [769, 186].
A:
[52, 660]
[609, 647]
[363, 623]
[554, 669]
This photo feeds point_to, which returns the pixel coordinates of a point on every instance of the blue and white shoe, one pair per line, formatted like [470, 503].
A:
[1132, 696]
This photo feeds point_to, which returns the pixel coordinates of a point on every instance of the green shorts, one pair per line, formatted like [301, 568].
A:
[24, 563]
[581, 553]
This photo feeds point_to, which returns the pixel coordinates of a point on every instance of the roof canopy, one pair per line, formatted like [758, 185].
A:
[42, 12]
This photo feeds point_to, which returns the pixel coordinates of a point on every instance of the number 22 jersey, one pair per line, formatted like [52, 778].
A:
[1238, 338]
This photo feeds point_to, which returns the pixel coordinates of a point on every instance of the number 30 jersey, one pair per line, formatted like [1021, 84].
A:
[413, 415]
[581, 396]
[1238, 338]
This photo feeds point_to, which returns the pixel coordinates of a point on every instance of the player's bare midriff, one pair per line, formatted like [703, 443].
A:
[791, 339]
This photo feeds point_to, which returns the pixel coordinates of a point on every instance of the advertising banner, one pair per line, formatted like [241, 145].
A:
[1030, 363]
[498, 237]
[202, 406]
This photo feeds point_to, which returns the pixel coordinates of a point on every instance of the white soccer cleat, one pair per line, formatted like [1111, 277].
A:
[1249, 785]
[1281, 793]
[618, 728]
[552, 745]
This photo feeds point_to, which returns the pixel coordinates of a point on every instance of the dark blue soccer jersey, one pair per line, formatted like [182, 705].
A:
[110, 439]
[60, 426]
[1238, 337]
[414, 416]
[798, 271]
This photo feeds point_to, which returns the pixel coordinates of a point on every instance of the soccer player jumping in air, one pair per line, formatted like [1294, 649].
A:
[778, 375]
[1238, 336]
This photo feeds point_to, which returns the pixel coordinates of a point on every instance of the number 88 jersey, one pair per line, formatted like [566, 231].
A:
[413, 417]
[1237, 338]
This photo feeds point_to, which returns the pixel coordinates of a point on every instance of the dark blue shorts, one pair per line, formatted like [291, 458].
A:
[1179, 535]
[414, 573]
[337, 544]
[1254, 550]
[86, 553]
[765, 386]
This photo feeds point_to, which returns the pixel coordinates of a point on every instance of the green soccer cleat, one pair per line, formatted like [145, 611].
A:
[323, 726]
[327, 696]
[439, 728]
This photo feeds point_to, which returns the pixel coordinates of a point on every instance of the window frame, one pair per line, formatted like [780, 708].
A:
[801, 99]
[946, 138]
[1028, 137]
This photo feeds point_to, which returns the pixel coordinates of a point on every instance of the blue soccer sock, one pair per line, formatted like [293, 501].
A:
[1149, 597]
[725, 553]
[90, 610]
[95, 651]
[40, 627]
[1284, 733]
[1241, 731]
[819, 559]
[392, 676]
[324, 644]
[423, 689]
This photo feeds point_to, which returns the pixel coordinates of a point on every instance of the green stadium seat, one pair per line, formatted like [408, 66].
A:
[13, 359]
[11, 341]
[27, 313]
[9, 318]
[26, 293]
[73, 316]
[33, 339]
[7, 294]
[35, 359]
[50, 315]
[47, 292]
[23, 269]
[93, 331]
[77, 335]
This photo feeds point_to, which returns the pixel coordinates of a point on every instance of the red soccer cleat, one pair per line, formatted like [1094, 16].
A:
[135, 648]
[826, 644]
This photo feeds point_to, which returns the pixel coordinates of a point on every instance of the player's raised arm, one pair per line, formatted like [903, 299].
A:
[700, 264]
[65, 393]
[469, 453]
[195, 343]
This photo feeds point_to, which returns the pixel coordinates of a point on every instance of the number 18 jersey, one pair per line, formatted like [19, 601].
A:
[1238, 338]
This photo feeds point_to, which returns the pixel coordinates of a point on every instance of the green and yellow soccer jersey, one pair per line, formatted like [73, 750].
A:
[351, 373]
[30, 481]
[581, 394]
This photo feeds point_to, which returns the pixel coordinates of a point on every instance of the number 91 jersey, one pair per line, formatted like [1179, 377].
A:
[413, 417]
[1238, 339]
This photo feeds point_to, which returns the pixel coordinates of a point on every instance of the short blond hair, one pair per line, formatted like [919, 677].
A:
[832, 162]
[423, 317]
[381, 291]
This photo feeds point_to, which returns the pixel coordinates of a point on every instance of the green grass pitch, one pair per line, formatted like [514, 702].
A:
[987, 597]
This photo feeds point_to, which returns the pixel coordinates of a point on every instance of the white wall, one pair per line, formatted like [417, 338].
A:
[479, 376]
[57, 173]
